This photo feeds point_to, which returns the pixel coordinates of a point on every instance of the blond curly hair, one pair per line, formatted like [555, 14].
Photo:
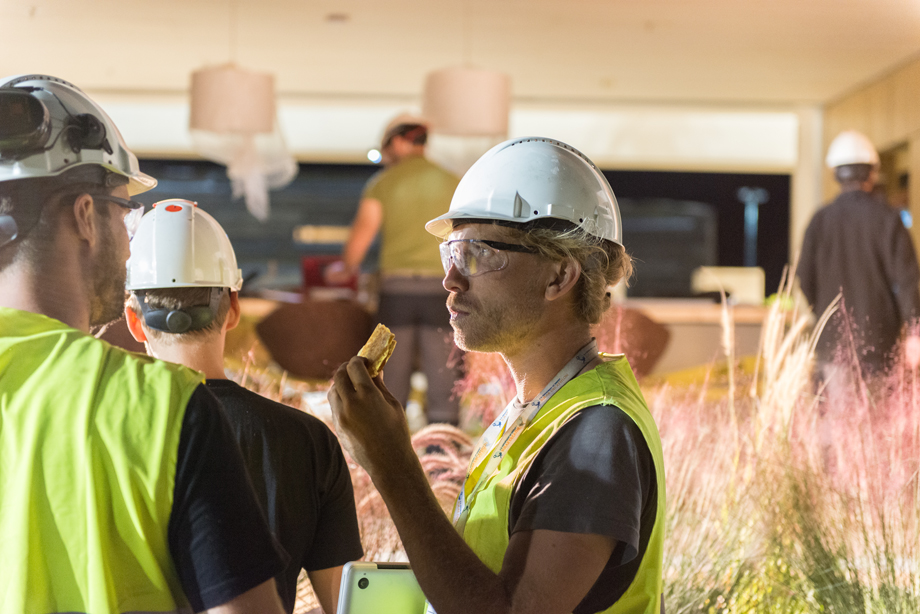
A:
[603, 264]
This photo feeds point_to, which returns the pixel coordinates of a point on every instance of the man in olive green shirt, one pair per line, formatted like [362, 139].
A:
[397, 202]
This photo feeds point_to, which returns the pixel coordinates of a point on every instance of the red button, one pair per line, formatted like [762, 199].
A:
[173, 208]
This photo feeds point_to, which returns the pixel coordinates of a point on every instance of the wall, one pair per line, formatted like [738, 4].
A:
[670, 137]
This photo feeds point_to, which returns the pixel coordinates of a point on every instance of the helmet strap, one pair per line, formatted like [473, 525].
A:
[178, 321]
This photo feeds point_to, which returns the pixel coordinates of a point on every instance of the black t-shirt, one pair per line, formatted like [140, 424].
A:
[300, 478]
[218, 537]
[595, 475]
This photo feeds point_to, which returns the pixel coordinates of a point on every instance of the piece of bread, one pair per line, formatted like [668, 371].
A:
[378, 349]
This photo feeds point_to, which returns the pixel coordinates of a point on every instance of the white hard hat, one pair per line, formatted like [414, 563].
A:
[49, 126]
[851, 147]
[180, 246]
[533, 178]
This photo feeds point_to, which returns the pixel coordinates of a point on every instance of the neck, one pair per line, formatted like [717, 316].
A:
[535, 365]
[414, 152]
[857, 186]
[58, 290]
[205, 355]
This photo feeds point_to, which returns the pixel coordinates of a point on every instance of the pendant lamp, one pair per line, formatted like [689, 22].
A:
[462, 101]
[468, 112]
[233, 122]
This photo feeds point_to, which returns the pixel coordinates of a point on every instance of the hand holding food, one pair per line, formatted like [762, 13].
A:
[378, 349]
[369, 421]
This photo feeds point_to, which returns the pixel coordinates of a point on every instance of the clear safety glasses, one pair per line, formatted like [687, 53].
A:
[474, 257]
[133, 219]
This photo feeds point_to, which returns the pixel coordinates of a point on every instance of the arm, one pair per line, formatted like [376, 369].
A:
[261, 599]
[905, 276]
[805, 269]
[904, 272]
[364, 229]
[326, 584]
[543, 571]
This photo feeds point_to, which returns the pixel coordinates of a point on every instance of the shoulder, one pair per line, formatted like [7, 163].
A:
[438, 171]
[594, 428]
[236, 399]
[137, 379]
[374, 182]
[601, 440]
[827, 211]
[116, 358]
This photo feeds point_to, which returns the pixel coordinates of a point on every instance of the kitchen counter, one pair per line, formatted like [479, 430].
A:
[696, 330]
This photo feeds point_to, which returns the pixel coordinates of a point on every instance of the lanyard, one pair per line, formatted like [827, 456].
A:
[502, 433]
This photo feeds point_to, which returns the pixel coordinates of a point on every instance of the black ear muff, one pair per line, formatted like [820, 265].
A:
[86, 131]
[178, 321]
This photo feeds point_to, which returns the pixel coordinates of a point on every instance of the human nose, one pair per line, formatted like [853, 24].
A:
[454, 281]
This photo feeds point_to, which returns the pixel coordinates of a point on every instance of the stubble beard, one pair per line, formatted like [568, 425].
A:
[497, 327]
[109, 277]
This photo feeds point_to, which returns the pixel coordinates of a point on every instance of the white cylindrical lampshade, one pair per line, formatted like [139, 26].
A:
[467, 101]
[228, 99]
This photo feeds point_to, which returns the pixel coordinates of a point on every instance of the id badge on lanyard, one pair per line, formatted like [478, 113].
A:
[502, 434]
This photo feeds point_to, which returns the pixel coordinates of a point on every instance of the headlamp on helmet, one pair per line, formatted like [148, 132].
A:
[25, 123]
[49, 127]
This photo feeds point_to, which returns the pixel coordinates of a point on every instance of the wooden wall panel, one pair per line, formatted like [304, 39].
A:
[887, 111]
[914, 186]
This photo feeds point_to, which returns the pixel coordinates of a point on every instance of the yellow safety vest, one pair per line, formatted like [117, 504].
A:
[612, 383]
[89, 438]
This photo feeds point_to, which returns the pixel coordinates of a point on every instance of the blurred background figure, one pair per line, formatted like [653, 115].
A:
[858, 246]
[396, 203]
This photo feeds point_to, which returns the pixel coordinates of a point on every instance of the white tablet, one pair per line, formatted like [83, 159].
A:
[379, 588]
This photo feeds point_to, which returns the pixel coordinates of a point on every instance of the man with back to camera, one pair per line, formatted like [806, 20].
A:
[858, 245]
[563, 507]
[397, 202]
[109, 458]
[184, 285]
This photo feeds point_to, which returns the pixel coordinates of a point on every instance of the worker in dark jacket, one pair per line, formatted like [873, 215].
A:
[858, 246]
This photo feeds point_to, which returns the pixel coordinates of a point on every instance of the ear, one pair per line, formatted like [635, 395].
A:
[233, 316]
[87, 225]
[565, 275]
[134, 325]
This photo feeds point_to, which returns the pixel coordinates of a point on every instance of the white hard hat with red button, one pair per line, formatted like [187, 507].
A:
[180, 246]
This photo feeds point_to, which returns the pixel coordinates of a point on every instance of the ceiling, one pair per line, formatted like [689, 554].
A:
[559, 52]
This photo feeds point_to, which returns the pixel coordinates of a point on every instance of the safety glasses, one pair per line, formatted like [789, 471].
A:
[133, 219]
[474, 257]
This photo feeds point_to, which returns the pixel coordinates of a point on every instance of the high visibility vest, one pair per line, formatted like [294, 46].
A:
[89, 437]
[612, 383]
